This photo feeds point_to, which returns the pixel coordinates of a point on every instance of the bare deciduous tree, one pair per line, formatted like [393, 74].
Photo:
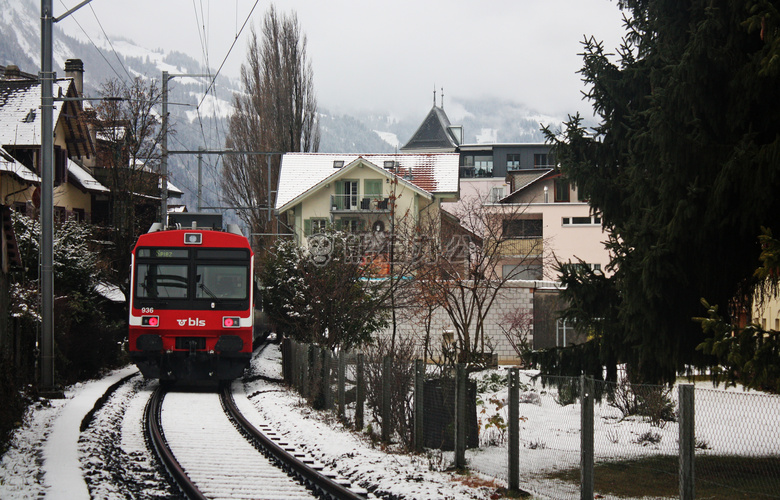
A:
[465, 276]
[276, 112]
[128, 134]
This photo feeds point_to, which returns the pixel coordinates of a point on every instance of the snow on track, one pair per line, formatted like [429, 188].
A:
[215, 456]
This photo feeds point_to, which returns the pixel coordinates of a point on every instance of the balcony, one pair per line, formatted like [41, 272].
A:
[340, 203]
[521, 247]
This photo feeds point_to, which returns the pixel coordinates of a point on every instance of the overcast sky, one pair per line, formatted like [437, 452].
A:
[388, 56]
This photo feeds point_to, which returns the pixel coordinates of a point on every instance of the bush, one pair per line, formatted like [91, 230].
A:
[651, 401]
[401, 398]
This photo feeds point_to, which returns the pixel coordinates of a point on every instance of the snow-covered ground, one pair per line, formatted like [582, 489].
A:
[50, 457]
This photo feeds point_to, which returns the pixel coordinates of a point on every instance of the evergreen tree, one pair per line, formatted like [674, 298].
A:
[684, 168]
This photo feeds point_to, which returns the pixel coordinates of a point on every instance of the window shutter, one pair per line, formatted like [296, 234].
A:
[307, 227]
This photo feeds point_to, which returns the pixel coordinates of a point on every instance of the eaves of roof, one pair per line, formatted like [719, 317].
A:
[9, 164]
[543, 173]
[82, 178]
[344, 171]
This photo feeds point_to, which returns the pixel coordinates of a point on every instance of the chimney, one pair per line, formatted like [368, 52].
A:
[74, 68]
[12, 72]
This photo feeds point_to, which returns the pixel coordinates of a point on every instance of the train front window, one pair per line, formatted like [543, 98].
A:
[222, 282]
[157, 281]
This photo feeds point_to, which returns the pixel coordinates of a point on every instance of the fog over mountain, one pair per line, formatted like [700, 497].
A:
[202, 122]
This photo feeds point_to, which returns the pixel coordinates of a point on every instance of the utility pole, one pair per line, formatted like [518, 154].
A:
[164, 145]
[164, 159]
[200, 176]
[47, 200]
[46, 77]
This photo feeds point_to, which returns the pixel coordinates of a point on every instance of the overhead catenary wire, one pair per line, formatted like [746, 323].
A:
[99, 50]
[130, 78]
[230, 50]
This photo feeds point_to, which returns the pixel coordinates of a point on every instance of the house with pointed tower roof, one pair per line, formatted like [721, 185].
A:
[552, 222]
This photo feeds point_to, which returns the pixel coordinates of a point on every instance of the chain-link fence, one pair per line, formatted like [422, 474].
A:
[568, 437]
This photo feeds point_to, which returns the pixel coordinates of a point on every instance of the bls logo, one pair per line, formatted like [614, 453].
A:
[191, 322]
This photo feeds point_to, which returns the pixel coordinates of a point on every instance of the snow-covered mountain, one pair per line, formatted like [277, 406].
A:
[202, 121]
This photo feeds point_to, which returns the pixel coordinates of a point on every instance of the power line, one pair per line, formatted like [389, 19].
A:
[231, 49]
[100, 52]
[130, 78]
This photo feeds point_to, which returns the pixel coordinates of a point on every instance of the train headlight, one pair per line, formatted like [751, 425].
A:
[193, 238]
[152, 321]
[231, 322]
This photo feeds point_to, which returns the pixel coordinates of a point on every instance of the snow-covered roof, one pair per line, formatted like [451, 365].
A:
[172, 190]
[435, 173]
[110, 292]
[84, 179]
[10, 165]
[110, 134]
[20, 113]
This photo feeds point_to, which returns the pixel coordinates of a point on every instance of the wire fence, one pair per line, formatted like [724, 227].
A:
[554, 437]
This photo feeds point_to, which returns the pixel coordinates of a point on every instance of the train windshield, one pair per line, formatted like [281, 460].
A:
[221, 282]
[186, 278]
[161, 281]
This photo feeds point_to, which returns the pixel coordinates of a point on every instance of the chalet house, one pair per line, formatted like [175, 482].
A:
[20, 147]
[364, 193]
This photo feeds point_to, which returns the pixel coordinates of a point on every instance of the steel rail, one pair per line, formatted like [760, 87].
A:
[321, 485]
[156, 438]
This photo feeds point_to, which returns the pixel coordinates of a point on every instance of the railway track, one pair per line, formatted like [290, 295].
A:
[211, 450]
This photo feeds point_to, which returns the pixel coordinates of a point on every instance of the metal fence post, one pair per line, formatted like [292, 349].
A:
[419, 410]
[342, 380]
[687, 441]
[315, 374]
[286, 358]
[360, 396]
[305, 361]
[327, 392]
[460, 417]
[586, 438]
[513, 460]
[386, 400]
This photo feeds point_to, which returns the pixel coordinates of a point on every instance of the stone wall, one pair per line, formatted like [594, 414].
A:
[516, 297]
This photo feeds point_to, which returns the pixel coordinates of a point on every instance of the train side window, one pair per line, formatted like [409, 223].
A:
[157, 281]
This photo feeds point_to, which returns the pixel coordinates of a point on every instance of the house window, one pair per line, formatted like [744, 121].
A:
[564, 332]
[314, 226]
[483, 165]
[522, 228]
[60, 214]
[561, 190]
[512, 161]
[496, 193]
[544, 160]
[352, 225]
[372, 188]
[581, 221]
[346, 196]
[522, 272]
[60, 165]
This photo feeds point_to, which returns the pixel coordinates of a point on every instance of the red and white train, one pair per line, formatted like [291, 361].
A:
[192, 303]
